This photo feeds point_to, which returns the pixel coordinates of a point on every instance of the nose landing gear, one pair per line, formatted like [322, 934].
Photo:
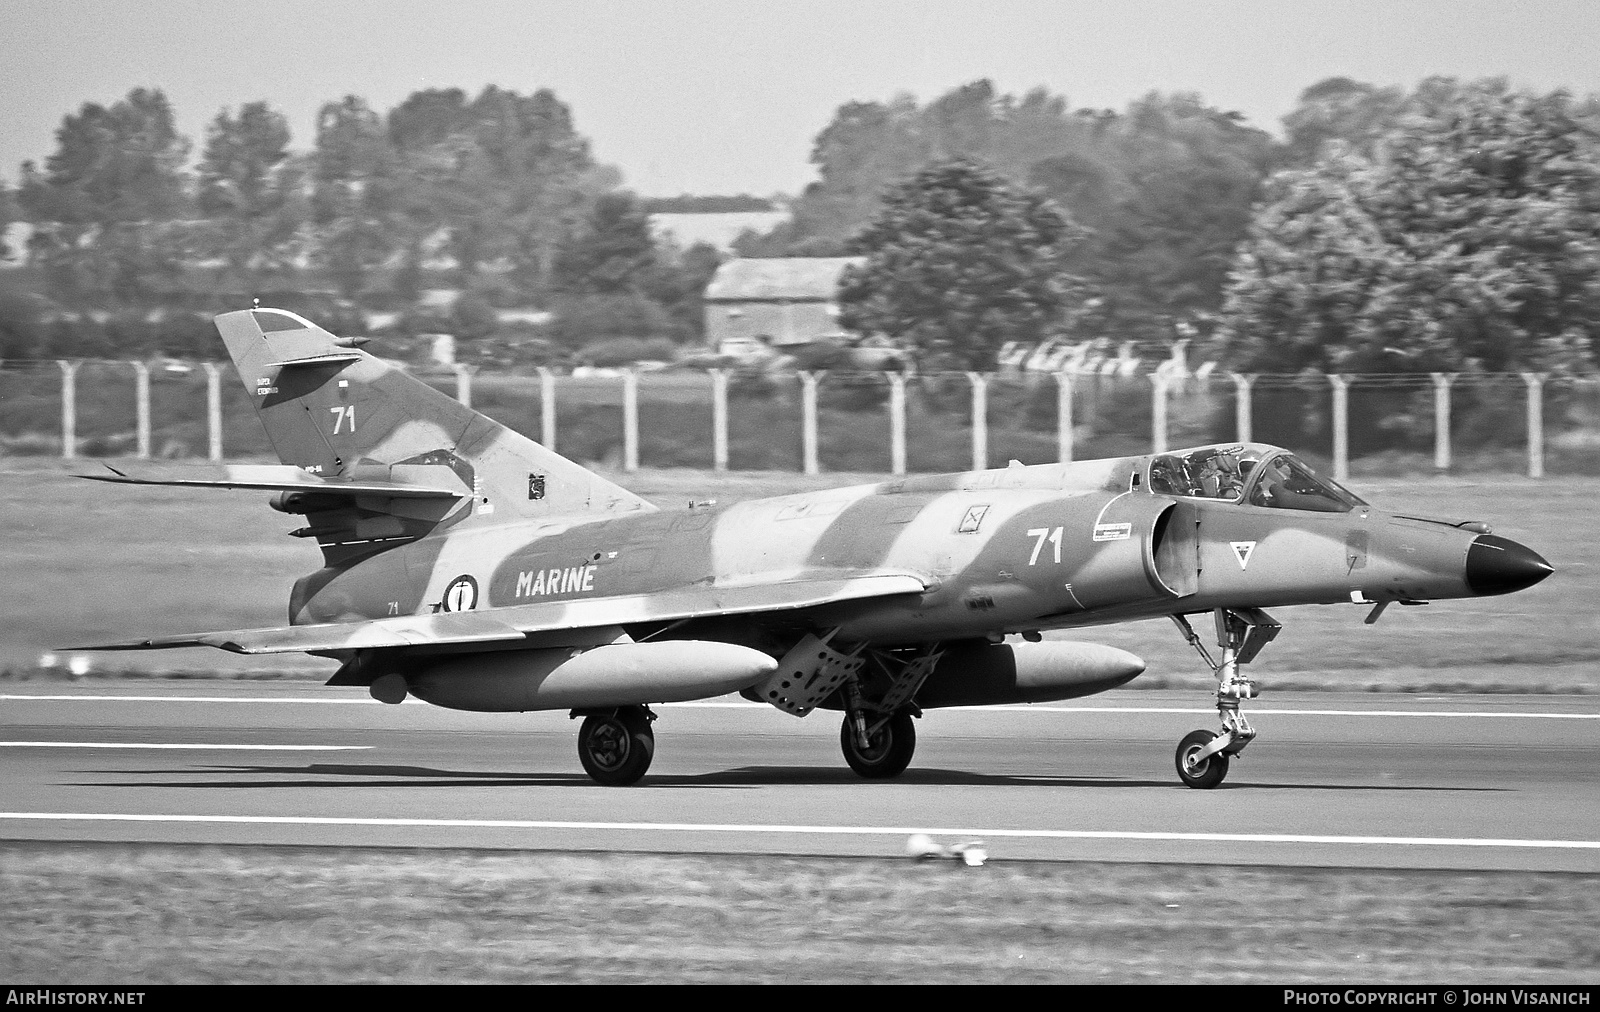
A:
[1199, 771]
[1202, 757]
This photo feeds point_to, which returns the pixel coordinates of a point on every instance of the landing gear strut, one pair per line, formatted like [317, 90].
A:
[1202, 757]
[616, 745]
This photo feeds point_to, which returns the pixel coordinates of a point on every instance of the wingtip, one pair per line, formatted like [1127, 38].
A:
[115, 475]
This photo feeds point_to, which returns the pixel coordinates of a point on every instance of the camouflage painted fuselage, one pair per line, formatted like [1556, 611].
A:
[1001, 551]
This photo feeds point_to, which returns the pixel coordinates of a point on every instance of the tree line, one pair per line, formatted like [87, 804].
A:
[497, 196]
[1451, 226]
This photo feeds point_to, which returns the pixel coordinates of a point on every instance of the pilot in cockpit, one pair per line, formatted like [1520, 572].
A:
[1220, 476]
[1211, 472]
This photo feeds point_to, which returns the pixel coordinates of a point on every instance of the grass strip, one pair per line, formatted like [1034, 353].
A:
[152, 913]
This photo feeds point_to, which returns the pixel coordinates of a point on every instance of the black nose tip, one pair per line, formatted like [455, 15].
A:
[1498, 565]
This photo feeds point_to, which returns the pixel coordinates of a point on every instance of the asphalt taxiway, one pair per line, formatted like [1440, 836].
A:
[1345, 780]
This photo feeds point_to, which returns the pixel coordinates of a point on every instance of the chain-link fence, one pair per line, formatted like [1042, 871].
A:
[866, 422]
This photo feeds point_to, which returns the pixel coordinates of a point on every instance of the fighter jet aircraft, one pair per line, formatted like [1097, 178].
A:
[468, 566]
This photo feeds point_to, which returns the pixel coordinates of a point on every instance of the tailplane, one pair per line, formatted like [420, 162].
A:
[334, 411]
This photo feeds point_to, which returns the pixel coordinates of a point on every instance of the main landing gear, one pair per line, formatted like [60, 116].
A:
[878, 737]
[881, 749]
[616, 745]
[1202, 757]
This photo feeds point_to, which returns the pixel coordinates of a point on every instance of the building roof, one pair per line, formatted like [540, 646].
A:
[812, 279]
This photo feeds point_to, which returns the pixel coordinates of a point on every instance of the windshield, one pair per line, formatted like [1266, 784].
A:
[1211, 472]
[1287, 483]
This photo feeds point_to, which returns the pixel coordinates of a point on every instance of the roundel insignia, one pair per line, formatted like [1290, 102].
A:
[461, 595]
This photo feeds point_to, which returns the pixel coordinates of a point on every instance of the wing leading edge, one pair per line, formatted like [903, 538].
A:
[287, 478]
[521, 621]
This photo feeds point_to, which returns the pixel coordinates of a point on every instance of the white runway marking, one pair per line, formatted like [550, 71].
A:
[693, 827]
[192, 699]
[128, 744]
[1266, 711]
[710, 705]
[1254, 710]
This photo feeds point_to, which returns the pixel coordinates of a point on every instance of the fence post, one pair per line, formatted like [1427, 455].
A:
[897, 423]
[630, 420]
[1341, 426]
[214, 408]
[1242, 421]
[547, 409]
[808, 422]
[141, 401]
[464, 384]
[1064, 448]
[1158, 413]
[69, 408]
[1535, 382]
[1441, 419]
[980, 420]
[719, 419]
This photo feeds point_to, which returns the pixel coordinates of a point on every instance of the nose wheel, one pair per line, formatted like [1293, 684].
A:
[1195, 767]
[1202, 756]
[616, 746]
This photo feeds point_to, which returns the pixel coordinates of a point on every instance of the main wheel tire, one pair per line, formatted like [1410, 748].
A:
[889, 748]
[1208, 772]
[616, 748]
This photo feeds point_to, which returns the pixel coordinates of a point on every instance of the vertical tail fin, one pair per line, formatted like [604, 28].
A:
[333, 410]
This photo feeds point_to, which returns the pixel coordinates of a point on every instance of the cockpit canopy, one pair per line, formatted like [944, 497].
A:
[1253, 474]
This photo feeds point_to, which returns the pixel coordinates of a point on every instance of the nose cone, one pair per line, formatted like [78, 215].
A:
[1498, 565]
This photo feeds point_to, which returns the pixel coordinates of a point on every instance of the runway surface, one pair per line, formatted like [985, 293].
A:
[1358, 780]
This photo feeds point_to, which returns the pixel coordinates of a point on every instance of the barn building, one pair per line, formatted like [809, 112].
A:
[774, 302]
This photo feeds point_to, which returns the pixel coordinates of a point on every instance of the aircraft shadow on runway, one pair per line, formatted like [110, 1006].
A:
[345, 775]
